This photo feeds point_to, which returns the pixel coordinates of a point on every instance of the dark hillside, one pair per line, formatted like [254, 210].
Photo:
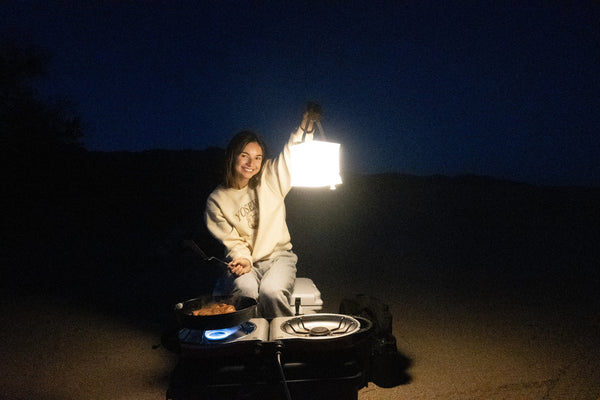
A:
[450, 233]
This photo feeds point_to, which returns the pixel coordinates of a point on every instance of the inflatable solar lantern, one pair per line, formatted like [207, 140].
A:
[316, 163]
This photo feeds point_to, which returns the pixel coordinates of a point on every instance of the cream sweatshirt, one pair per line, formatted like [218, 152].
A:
[250, 223]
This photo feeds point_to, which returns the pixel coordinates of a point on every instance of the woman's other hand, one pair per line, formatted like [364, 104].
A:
[240, 266]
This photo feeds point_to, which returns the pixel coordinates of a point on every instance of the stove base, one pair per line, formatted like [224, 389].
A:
[255, 379]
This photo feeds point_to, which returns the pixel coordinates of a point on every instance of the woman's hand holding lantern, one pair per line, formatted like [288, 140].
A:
[311, 115]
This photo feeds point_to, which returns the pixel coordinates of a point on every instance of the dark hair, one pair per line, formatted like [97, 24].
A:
[234, 149]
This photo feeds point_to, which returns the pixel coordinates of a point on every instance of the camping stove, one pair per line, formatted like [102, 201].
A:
[316, 356]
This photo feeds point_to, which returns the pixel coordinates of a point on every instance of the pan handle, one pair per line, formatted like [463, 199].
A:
[190, 244]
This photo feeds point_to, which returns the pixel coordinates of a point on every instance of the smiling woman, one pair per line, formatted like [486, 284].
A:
[243, 164]
[248, 164]
[247, 215]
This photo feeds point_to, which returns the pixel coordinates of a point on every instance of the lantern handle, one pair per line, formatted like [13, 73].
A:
[321, 132]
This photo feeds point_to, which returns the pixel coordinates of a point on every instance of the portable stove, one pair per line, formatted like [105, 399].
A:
[316, 356]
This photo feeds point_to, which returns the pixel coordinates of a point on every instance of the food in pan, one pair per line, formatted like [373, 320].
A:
[214, 309]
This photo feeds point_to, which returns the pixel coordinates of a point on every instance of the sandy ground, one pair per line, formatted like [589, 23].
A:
[54, 350]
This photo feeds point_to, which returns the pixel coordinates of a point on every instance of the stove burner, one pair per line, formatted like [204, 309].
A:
[216, 336]
[320, 326]
[220, 334]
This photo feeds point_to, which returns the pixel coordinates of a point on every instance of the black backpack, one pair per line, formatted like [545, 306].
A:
[386, 365]
[372, 309]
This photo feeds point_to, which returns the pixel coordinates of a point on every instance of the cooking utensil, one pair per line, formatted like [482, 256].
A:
[190, 244]
[245, 309]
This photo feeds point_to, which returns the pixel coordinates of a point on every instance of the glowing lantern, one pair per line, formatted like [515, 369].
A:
[316, 163]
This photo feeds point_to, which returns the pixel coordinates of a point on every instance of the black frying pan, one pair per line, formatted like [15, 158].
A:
[245, 309]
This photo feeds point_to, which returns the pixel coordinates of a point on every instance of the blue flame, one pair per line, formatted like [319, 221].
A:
[220, 334]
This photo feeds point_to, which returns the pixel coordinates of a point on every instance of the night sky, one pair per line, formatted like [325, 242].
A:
[509, 89]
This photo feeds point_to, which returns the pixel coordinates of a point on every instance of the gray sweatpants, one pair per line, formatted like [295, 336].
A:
[270, 282]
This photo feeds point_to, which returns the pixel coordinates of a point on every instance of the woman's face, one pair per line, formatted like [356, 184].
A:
[248, 164]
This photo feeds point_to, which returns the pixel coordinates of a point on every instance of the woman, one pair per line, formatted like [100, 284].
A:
[246, 213]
